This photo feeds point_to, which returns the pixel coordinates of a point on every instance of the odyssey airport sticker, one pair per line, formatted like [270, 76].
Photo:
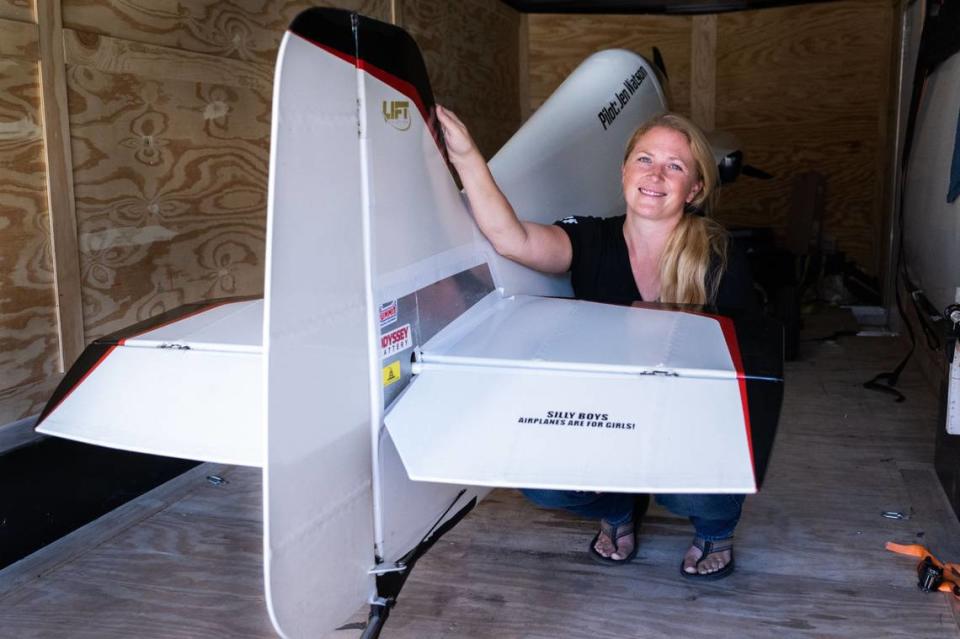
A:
[395, 341]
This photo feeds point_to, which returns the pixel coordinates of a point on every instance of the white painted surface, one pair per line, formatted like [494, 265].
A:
[194, 404]
[953, 393]
[565, 394]
[421, 227]
[318, 328]
[953, 381]
[463, 425]
[229, 327]
[550, 333]
[422, 233]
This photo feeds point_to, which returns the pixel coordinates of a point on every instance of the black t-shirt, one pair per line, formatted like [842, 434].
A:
[600, 270]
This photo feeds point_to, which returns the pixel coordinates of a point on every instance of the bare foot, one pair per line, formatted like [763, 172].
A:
[622, 548]
[716, 560]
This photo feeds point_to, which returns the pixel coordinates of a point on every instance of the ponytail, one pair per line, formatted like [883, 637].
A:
[685, 265]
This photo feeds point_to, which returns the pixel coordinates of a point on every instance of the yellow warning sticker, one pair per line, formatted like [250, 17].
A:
[391, 373]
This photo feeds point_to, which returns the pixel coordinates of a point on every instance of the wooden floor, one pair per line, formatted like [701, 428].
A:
[185, 560]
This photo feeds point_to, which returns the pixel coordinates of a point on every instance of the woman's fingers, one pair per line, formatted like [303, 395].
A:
[450, 115]
[450, 122]
[455, 132]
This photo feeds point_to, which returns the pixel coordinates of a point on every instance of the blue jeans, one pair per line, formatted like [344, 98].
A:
[714, 517]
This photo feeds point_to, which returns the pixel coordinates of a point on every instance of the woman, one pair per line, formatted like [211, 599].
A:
[663, 248]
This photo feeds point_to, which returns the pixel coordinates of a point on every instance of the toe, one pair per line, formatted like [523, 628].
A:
[715, 562]
[604, 546]
[617, 551]
[624, 548]
[690, 560]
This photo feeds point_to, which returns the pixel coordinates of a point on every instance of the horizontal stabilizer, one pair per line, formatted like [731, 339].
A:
[563, 394]
[170, 388]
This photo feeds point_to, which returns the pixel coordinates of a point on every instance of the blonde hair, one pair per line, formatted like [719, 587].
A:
[685, 276]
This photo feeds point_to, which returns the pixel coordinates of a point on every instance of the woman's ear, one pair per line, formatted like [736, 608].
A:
[694, 190]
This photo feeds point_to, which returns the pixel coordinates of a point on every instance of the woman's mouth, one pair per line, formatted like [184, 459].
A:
[652, 193]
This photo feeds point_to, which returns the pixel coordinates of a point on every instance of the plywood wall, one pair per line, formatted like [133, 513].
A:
[471, 50]
[170, 133]
[558, 43]
[28, 322]
[805, 88]
[164, 144]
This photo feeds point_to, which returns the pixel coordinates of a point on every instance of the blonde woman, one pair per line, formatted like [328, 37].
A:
[664, 248]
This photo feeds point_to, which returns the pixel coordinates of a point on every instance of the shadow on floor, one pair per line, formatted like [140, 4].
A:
[52, 487]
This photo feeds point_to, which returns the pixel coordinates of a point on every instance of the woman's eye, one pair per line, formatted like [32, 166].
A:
[676, 167]
[644, 159]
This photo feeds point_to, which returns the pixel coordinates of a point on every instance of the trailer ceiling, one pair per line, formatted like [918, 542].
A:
[688, 7]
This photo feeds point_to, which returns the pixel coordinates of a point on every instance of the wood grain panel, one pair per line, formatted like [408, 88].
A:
[28, 336]
[523, 81]
[806, 88]
[19, 39]
[703, 71]
[471, 51]
[170, 123]
[104, 528]
[182, 556]
[238, 29]
[60, 201]
[26, 399]
[171, 181]
[115, 55]
[558, 43]
[21, 10]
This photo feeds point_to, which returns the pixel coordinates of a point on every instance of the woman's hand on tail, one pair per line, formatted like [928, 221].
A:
[460, 146]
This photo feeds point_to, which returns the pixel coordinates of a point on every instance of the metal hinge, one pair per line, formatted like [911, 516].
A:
[176, 347]
[383, 569]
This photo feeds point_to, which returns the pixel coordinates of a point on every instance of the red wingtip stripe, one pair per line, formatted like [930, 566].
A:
[123, 342]
[733, 346]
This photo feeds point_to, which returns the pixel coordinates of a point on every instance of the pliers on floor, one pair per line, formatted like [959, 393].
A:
[932, 574]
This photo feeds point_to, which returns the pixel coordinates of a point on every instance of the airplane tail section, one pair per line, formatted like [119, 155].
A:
[373, 266]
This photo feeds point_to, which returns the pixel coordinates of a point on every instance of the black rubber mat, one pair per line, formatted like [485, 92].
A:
[52, 487]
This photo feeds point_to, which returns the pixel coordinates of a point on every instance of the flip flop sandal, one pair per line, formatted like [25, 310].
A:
[709, 548]
[615, 533]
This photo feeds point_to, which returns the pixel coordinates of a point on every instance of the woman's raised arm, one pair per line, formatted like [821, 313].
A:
[542, 247]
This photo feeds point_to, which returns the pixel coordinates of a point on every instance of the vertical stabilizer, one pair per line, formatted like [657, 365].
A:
[318, 525]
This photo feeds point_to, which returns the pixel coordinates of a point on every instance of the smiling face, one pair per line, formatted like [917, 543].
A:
[660, 175]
